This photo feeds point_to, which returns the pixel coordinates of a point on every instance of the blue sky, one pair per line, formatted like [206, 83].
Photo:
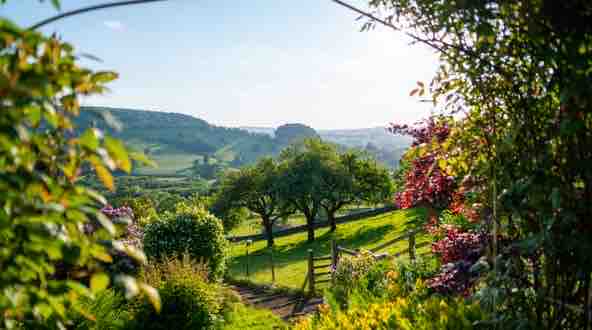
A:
[255, 63]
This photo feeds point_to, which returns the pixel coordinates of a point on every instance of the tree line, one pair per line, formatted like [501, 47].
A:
[309, 177]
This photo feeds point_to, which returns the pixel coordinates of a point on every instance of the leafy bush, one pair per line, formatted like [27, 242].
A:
[43, 157]
[143, 209]
[192, 230]
[377, 281]
[109, 310]
[380, 301]
[350, 269]
[402, 313]
[188, 300]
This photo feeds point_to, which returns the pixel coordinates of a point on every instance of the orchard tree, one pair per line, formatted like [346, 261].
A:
[301, 177]
[348, 178]
[256, 189]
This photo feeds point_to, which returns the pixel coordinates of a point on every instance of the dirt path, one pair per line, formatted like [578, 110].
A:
[281, 304]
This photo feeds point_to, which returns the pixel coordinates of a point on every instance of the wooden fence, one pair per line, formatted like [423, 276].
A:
[320, 224]
[323, 273]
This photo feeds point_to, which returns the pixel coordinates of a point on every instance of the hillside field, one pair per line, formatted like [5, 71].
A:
[291, 252]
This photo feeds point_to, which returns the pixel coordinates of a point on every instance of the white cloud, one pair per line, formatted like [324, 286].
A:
[114, 25]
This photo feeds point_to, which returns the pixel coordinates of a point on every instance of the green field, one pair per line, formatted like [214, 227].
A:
[290, 252]
[252, 226]
[168, 164]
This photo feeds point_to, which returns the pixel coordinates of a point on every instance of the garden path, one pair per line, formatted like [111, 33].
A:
[283, 304]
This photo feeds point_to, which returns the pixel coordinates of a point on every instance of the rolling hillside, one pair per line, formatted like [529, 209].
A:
[177, 141]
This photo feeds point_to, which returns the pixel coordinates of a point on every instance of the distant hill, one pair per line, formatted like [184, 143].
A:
[377, 141]
[181, 144]
[178, 142]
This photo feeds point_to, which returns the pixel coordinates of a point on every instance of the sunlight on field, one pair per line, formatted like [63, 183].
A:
[290, 252]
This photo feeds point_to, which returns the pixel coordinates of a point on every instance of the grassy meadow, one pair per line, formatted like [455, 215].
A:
[291, 252]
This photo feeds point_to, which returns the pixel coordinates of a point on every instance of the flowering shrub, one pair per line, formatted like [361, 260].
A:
[458, 245]
[408, 312]
[425, 181]
[350, 269]
[458, 252]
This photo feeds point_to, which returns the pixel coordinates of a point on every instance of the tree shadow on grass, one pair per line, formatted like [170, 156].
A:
[283, 254]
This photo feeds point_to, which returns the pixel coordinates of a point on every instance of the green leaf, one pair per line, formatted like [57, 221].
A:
[89, 139]
[140, 157]
[119, 154]
[152, 295]
[56, 4]
[556, 198]
[104, 76]
[99, 282]
[105, 222]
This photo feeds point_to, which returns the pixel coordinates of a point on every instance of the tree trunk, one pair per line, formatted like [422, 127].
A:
[331, 219]
[311, 230]
[268, 231]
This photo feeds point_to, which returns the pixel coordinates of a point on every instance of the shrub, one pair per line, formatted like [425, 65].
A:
[191, 230]
[351, 269]
[402, 313]
[109, 310]
[188, 300]
[143, 208]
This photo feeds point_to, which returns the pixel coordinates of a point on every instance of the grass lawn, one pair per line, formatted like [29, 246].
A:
[252, 226]
[291, 252]
[247, 317]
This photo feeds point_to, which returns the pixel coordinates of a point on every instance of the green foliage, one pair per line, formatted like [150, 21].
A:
[402, 313]
[315, 176]
[458, 220]
[143, 208]
[392, 296]
[44, 207]
[257, 189]
[192, 230]
[350, 270]
[239, 316]
[109, 310]
[521, 73]
[188, 300]
[362, 280]
[162, 135]
[291, 252]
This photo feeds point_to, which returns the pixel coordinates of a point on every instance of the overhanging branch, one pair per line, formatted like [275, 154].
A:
[88, 9]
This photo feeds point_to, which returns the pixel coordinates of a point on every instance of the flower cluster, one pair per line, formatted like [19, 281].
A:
[425, 183]
[118, 212]
[458, 245]
[458, 251]
[350, 269]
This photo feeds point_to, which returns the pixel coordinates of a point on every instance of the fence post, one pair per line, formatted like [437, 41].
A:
[272, 265]
[334, 254]
[311, 284]
[248, 259]
[411, 245]
[334, 257]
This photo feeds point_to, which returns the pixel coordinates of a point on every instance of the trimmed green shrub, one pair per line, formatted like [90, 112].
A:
[188, 300]
[191, 230]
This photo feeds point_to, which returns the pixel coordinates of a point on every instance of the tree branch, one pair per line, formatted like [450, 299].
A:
[88, 9]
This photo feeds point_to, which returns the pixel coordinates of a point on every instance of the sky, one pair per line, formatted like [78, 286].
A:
[246, 63]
